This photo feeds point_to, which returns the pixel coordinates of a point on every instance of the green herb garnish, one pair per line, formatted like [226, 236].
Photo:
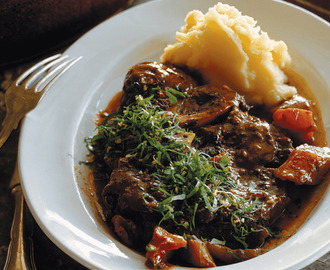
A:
[151, 138]
[172, 95]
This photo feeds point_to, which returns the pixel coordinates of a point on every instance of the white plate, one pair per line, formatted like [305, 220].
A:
[52, 138]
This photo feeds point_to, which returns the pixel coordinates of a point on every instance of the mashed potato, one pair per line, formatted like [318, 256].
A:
[227, 47]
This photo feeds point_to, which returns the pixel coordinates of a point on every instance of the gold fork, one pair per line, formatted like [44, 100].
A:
[20, 98]
[20, 253]
[24, 94]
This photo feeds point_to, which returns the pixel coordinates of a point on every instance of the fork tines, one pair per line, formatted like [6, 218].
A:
[51, 67]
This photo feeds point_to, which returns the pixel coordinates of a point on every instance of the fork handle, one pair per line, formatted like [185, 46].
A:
[20, 251]
[10, 123]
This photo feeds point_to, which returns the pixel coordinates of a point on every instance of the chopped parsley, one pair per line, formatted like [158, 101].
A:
[151, 138]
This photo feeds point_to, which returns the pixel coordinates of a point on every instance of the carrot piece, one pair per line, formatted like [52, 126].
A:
[306, 164]
[297, 120]
[160, 247]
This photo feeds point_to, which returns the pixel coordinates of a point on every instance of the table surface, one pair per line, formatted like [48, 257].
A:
[47, 255]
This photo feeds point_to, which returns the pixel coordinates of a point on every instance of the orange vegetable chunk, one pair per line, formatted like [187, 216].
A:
[160, 247]
[300, 120]
[306, 164]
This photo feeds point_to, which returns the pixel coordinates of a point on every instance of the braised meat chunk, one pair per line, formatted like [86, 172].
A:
[254, 140]
[135, 190]
[129, 198]
[261, 184]
[152, 78]
[206, 104]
